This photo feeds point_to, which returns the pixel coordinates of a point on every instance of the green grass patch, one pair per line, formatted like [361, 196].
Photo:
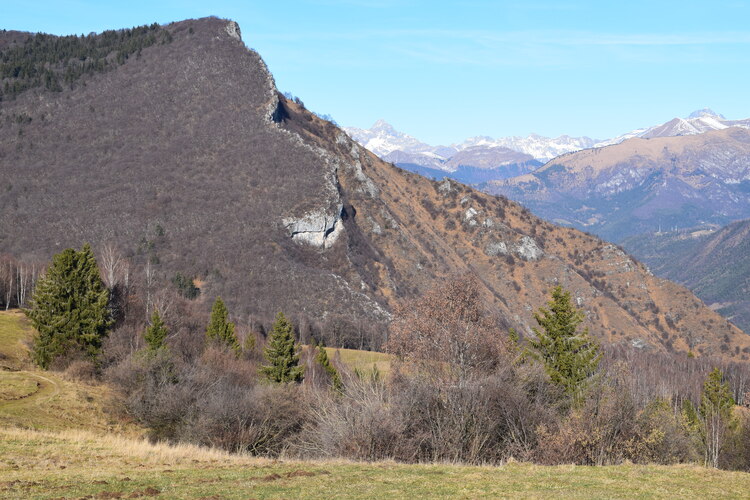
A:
[68, 464]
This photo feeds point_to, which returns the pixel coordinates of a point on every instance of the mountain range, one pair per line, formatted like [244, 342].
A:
[532, 151]
[641, 185]
[180, 152]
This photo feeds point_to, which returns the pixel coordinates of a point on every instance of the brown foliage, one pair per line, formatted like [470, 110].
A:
[447, 327]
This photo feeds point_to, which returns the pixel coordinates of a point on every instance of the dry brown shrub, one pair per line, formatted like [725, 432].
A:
[448, 329]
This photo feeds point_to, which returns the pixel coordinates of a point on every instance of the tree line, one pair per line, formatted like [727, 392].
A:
[460, 388]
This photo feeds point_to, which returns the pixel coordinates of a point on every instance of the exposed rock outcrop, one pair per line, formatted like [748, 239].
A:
[317, 228]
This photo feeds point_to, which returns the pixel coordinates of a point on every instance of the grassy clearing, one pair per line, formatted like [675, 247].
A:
[35, 399]
[74, 464]
[58, 441]
[361, 360]
[14, 386]
[14, 331]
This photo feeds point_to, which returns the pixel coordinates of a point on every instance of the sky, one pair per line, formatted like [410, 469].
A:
[445, 71]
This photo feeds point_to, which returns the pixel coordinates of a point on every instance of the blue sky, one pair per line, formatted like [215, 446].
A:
[444, 71]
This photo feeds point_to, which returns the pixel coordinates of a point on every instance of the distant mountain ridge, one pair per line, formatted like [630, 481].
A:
[383, 139]
[697, 122]
[388, 143]
[639, 185]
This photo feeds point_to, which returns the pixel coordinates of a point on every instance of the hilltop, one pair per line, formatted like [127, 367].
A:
[184, 155]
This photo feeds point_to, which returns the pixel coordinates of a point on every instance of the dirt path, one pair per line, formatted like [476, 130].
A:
[48, 389]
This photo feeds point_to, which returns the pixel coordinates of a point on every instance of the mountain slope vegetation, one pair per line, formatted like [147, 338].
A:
[716, 266]
[189, 161]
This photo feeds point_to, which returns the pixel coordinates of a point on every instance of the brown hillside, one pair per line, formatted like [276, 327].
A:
[186, 155]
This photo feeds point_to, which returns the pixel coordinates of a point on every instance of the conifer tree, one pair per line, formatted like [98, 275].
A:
[220, 330]
[322, 359]
[570, 357]
[282, 354]
[69, 308]
[156, 333]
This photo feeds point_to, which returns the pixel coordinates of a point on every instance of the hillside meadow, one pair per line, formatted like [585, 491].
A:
[59, 440]
[77, 464]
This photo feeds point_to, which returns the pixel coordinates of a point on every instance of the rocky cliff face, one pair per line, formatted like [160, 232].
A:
[188, 157]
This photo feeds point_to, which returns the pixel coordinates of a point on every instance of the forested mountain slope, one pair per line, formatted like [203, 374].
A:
[184, 155]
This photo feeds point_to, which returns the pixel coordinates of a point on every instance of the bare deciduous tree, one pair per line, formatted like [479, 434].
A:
[448, 327]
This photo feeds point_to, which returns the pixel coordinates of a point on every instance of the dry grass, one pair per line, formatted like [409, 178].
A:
[14, 331]
[361, 360]
[69, 464]
[14, 386]
[35, 399]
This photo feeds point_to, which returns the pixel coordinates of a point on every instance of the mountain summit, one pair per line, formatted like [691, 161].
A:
[706, 113]
[184, 156]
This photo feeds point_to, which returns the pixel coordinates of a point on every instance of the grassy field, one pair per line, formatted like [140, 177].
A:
[70, 464]
[35, 399]
[57, 440]
[14, 330]
[361, 360]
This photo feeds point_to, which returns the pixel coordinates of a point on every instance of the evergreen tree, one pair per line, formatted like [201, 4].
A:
[570, 357]
[220, 330]
[156, 333]
[282, 354]
[716, 413]
[69, 308]
[322, 359]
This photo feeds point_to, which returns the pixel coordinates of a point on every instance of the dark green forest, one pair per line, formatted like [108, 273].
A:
[54, 62]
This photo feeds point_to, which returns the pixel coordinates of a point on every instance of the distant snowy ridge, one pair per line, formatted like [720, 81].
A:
[697, 122]
[383, 140]
[402, 149]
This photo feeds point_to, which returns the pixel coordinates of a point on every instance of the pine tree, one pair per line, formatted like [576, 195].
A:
[322, 359]
[220, 330]
[570, 357]
[156, 333]
[282, 354]
[716, 413]
[69, 308]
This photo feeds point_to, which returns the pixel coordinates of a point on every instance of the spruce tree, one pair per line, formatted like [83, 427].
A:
[282, 354]
[570, 357]
[156, 333]
[69, 308]
[220, 330]
[322, 358]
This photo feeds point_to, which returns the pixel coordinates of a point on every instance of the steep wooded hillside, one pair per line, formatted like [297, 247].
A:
[186, 156]
[716, 266]
[640, 185]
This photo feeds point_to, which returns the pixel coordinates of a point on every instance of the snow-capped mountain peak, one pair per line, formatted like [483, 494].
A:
[698, 122]
[706, 113]
[382, 139]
